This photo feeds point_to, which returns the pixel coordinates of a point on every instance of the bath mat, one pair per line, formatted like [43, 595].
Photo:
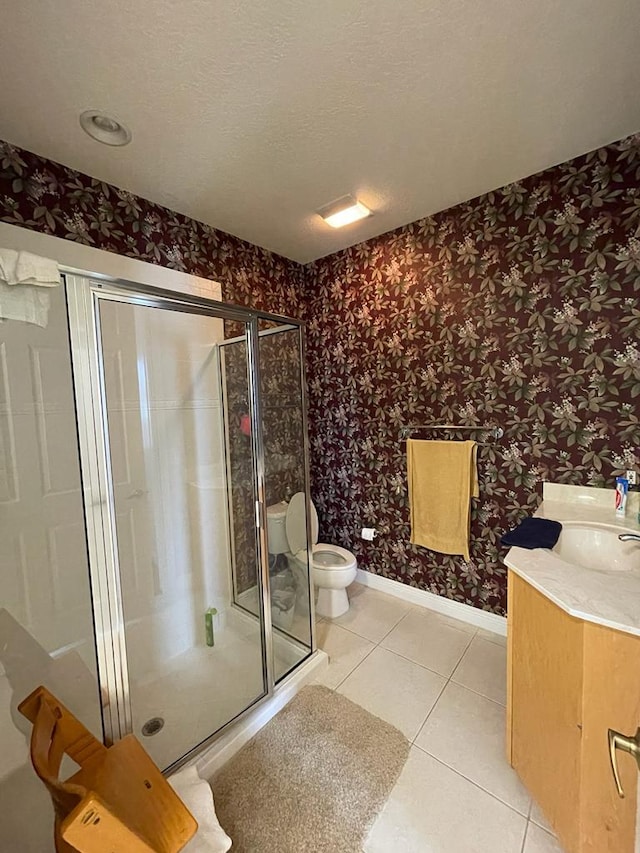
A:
[313, 779]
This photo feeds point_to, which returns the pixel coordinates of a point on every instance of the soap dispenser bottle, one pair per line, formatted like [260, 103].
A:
[632, 478]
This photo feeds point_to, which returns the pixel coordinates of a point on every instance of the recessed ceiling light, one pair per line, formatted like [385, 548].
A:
[104, 128]
[344, 211]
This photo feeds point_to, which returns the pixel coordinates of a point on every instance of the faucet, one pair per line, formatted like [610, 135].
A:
[629, 537]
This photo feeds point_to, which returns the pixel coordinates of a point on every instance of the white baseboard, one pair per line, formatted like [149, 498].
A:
[232, 741]
[422, 598]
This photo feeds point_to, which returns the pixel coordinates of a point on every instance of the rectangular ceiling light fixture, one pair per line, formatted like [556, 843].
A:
[344, 211]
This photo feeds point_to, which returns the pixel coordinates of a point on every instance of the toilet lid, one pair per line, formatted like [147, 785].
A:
[296, 523]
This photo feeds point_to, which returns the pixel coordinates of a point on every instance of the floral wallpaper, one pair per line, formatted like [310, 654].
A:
[519, 308]
[283, 439]
[45, 196]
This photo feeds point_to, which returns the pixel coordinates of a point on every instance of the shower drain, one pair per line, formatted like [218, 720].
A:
[152, 726]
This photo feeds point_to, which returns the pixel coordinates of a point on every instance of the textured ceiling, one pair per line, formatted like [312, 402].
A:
[251, 115]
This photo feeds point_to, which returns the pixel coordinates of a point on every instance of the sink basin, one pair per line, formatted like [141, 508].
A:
[596, 546]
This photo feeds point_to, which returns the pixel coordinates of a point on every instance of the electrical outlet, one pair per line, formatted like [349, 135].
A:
[368, 533]
[632, 477]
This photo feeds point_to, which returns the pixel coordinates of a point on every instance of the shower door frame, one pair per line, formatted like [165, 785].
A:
[230, 341]
[84, 291]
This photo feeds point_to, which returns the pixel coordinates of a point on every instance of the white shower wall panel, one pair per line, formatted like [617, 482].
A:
[167, 457]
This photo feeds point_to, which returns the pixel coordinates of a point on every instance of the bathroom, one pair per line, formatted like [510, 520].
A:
[495, 284]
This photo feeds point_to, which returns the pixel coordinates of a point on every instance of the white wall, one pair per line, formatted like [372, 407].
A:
[165, 423]
[98, 262]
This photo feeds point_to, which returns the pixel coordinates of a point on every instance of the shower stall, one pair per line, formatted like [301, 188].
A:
[143, 436]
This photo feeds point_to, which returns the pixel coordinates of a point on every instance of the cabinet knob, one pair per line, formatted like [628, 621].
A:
[626, 744]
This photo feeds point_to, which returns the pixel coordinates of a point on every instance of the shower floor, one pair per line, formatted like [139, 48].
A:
[294, 633]
[198, 691]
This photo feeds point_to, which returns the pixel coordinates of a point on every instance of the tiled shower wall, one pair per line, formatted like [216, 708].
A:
[519, 308]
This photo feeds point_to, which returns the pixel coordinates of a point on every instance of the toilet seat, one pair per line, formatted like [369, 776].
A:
[329, 557]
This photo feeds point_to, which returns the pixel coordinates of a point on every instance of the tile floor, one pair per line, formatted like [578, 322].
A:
[442, 683]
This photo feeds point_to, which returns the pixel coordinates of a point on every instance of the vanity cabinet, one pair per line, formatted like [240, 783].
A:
[569, 682]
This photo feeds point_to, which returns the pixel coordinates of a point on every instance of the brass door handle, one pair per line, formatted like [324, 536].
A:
[626, 744]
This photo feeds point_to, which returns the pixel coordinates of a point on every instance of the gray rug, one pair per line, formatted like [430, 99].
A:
[313, 779]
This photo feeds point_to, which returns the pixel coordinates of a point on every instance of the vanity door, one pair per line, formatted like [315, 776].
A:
[569, 683]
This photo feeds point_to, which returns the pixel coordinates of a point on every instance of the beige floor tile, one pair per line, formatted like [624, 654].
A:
[371, 614]
[493, 637]
[466, 731]
[540, 841]
[483, 668]
[538, 817]
[395, 689]
[430, 639]
[432, 809]
[345, 649]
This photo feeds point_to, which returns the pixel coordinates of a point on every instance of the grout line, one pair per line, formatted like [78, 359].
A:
[376, 645]
[350, 630]
[394, 626]
[491, 639]
[421, 665]
[472, 781]
[444, 687]
[353, 631]
[355, 667]
[429, 713]
[447, 681]
[477, 692]
[465, 651]
[548, 828]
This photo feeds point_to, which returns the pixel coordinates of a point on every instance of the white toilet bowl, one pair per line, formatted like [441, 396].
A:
[333, 567]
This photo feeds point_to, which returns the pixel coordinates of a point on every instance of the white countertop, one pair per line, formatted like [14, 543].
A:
[610, 598]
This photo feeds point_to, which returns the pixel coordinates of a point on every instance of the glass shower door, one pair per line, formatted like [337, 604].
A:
[189, 661]
[285, 476]
[282, 429]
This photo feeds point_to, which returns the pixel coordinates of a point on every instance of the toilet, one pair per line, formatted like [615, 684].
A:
[333, 567]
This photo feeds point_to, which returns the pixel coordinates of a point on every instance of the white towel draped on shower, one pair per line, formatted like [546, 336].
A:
[24, 283]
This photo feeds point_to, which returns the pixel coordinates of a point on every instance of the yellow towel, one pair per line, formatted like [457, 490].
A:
[443, 477]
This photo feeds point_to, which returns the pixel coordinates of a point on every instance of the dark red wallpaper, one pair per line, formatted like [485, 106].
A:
[45, 196]
[519, 308]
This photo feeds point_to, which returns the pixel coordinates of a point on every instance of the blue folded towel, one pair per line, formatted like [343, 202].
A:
[533, 533]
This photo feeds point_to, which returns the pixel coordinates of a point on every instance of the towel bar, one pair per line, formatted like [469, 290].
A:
[496, 431]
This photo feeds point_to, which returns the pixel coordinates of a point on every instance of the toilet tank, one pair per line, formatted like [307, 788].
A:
[276, 532]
